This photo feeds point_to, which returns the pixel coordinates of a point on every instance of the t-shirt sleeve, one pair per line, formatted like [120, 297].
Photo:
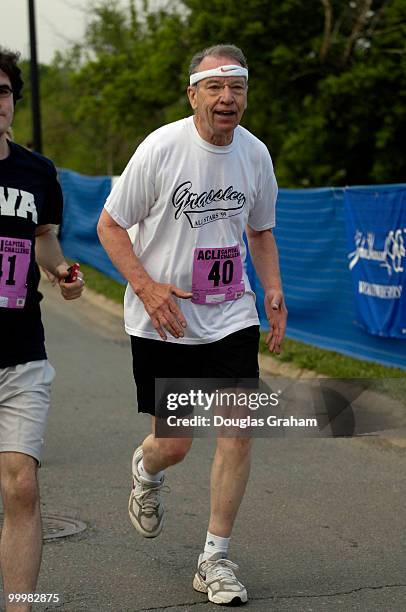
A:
[262, 214]
[133, 194]
[53, 202]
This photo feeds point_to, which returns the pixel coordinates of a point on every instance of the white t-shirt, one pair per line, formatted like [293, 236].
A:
[184, 193]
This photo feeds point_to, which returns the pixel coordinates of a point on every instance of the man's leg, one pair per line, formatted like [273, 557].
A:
[232, 461]
[145, 507]
[21, 537]
[229, 477]
[233, 358]
[161, 453]
[24, 403]
[154, 361]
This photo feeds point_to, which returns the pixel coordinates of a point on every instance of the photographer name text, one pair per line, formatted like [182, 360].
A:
[241, 423]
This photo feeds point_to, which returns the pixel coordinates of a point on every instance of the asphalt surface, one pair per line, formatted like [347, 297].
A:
[321, 528]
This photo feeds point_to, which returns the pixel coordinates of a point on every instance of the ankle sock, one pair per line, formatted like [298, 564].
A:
[215, 544]
[146, 476]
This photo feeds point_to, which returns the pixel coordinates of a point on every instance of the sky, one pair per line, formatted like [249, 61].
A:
[59, 23]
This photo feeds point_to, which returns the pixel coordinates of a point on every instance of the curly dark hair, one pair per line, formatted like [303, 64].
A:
[9, 65]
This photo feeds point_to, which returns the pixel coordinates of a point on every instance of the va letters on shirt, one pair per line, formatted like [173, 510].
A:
[376, 234]
[18, 203]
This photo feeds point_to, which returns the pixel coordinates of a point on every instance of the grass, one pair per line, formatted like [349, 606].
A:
[330, 363]
[96, 281]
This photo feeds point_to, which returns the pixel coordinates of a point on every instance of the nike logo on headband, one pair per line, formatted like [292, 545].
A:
[219, 71]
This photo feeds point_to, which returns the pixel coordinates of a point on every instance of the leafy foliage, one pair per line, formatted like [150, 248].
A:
[327, 89]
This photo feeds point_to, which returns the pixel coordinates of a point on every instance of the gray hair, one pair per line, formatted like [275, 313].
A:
[218, 51]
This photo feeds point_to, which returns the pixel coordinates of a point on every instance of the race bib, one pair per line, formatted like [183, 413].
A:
[15, 255]
[217, 275]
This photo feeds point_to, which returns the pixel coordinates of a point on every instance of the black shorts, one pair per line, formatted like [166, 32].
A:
[233, 358]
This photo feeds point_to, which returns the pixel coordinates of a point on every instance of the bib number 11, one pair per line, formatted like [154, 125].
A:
[15, 256]
[11, 270]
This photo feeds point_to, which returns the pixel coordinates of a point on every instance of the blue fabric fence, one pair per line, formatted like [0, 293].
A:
[313, 249]
[84, 198]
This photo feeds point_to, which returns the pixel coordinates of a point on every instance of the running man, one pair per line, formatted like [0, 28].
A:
[30, 201]
[192, 188]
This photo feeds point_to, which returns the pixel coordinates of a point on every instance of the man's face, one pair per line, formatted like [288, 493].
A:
[218, 102]
[6, 105]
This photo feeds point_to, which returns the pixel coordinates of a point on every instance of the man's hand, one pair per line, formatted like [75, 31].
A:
[277, 315]
[161, 307]
[51, 277]
[70, 291]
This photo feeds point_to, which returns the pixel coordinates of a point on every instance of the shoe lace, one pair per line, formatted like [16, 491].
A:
[149, 496]
[222, 569]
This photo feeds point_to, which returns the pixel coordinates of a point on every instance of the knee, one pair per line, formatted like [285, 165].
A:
[20, 491]
[240, 448]
[175, 450]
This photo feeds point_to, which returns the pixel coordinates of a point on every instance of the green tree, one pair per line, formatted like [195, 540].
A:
[352, 121]
[323, 75]
[130, 80]
[326, 91]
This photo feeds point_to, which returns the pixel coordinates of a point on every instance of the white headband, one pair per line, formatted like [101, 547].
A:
[221, 71]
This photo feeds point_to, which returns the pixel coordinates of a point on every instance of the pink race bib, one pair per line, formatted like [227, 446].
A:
[15, 255]
[217, 275]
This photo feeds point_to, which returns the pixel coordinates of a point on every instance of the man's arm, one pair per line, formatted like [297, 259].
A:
[157, 297]
[264, 255]
[48, 255]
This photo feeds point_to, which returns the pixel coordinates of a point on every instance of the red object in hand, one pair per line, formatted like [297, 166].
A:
[73, 273]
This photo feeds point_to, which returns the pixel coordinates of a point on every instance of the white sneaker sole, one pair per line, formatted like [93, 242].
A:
[220, 599]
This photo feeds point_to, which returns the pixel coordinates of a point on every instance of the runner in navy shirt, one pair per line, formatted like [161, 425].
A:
[30, 196]
[30, 203]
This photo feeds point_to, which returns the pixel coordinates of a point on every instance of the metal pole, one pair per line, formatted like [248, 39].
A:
[34, 76]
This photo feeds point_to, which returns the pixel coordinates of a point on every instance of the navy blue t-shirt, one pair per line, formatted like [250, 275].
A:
[30, 195]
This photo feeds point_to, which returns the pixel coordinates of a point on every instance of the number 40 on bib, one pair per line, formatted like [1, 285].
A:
[217, 275]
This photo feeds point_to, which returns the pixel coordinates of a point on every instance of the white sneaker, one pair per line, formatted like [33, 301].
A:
[145, 506]
[216, 577]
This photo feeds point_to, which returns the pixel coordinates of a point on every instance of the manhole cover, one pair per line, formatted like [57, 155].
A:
[58, 526]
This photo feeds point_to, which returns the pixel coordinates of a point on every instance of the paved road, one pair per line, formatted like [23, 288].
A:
[322, 526]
